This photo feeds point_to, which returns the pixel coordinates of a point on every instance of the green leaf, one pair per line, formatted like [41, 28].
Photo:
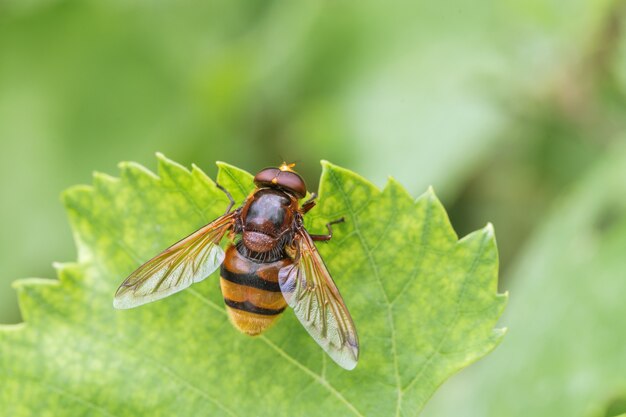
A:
[439, 81]
[567, 350]
[424, 304]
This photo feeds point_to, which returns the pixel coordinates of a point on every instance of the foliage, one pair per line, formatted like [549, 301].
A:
[428, 91]
[424, 303]
[571, 361]
[502, 106]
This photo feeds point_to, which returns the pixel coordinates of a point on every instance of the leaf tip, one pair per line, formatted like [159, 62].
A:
[169, 166]
[430, 196]
[430, 193]
[489, 230]
[342, 175]
[231, 169]
[122, 165]
[397, 187]
[70, 194]
[501, 332]
[101, 178]
[134, 169]
[224, 165]
[164, 162]
[199, 172]
[329, 166]
[497, 336]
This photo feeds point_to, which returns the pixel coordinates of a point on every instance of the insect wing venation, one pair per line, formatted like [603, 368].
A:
[190, 260]
[309, 289]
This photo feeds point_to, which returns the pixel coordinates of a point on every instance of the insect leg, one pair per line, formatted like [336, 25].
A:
[330, 231]
[309, 204]
[230, 197]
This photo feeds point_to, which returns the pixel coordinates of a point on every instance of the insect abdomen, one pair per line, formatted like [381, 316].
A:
[251, 291]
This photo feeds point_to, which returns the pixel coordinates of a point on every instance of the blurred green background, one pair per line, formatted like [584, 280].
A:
[514, 110]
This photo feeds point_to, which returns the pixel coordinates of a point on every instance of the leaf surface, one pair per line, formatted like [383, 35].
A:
[424, 303]
[566, 352]
[440, 81]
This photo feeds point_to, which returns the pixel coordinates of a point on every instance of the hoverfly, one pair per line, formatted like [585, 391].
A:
[272, 264]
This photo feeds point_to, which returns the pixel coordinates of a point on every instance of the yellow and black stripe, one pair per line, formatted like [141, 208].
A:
[250, 280]
[251, 291]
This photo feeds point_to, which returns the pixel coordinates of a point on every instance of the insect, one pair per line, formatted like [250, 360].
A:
[272, 263]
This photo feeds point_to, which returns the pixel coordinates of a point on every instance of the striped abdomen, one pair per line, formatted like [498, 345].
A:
[251, 291]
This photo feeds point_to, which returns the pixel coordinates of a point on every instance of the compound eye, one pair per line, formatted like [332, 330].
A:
[292, 182]
[266, 177]
[285, 180]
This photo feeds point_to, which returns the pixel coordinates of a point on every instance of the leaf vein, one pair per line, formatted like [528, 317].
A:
[73, 397]
[243, 189]
[420, 260]
[444, 337]
[318, 378]
[374, 266]
[136, 258]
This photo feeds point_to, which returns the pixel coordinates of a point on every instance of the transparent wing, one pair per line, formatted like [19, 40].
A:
[309, 289]
[190, 260]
